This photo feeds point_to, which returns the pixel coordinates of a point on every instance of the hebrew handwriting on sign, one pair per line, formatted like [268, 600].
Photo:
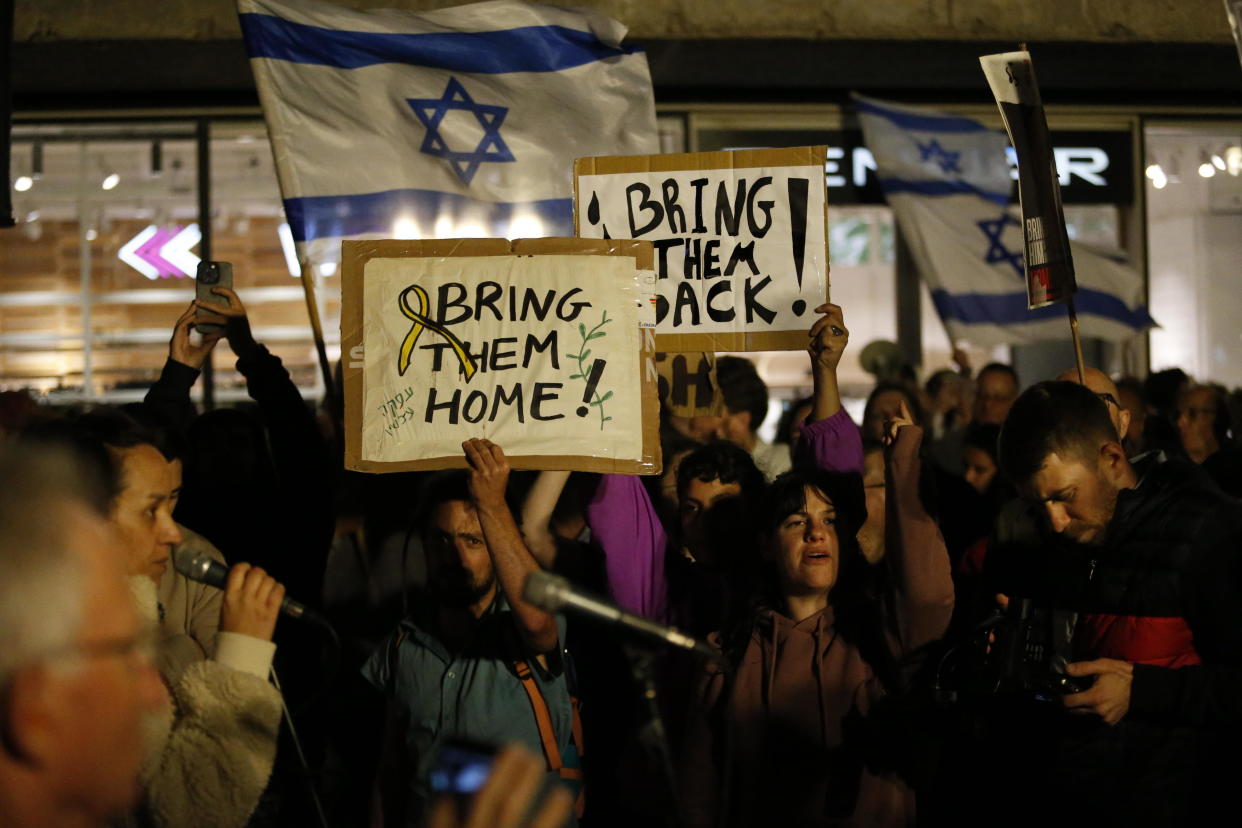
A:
[391, 407]
[421, 321]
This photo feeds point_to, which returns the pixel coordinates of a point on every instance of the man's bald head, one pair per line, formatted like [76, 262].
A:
[1105, 389]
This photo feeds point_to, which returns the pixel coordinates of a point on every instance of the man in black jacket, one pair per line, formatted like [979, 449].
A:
[1148, 554]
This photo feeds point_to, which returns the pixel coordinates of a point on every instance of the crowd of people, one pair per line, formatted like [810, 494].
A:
[979, 603]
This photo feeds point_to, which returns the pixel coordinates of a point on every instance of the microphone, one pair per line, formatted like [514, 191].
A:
[552, 593]
[204, 569]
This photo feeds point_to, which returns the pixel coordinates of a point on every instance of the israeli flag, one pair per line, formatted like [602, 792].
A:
[458, 122]
[948, 182]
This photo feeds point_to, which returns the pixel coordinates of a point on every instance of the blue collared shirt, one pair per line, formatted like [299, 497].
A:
[473, 694]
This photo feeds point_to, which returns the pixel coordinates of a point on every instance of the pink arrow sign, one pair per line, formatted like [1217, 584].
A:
[150, 252]
[162, 252]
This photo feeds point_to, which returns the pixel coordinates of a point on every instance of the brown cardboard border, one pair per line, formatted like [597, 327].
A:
[727, 159]
[355, 255]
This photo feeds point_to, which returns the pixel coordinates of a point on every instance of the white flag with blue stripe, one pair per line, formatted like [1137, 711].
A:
[947, 179]
[463, 121]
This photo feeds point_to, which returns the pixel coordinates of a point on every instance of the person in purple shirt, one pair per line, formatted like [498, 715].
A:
[640, 556]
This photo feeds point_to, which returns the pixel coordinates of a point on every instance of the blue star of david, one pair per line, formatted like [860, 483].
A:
[431, 112]
[932, 151]
[997, 252]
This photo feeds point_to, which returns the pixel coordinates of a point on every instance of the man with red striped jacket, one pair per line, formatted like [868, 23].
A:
[1148, 554]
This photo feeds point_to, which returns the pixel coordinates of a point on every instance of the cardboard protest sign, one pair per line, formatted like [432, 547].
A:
[1049, 265]
[535, 345]
[688, 386]
[741, 240]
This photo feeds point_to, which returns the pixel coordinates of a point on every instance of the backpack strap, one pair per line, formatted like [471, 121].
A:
[547, 734]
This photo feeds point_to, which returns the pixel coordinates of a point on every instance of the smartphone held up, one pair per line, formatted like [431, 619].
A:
[211, 275]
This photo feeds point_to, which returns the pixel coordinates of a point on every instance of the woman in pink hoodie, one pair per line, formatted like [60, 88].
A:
[784, 734]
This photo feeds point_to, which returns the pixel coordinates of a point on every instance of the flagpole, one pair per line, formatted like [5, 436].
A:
[1073, 318]
[312, 310]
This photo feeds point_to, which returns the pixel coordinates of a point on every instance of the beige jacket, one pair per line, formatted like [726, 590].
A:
[189, 614]
[210, 751]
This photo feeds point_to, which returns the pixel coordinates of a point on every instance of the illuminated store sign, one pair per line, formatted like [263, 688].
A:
[1095, 166]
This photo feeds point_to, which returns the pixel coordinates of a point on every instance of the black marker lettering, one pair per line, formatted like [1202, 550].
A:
[742, 253]
[514, 399]
[485, 296]
[691, 265]
[577, 306]
[698, 184]
[644, 203]
[729, 217]
[498, 355]
[671, 209]
[481, 399]
[752, 302]
[443, 303]
[530, 300]
[711, 258]
[437, 353]
[544, 392]
[662, 246]
[451, 405]
[534, 344]
[720, 314]
[685, 299]
[765, 206]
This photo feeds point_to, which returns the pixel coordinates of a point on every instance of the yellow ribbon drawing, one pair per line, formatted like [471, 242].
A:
[421, 320]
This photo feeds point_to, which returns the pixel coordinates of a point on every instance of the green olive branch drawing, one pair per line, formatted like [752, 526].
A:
[584, 367]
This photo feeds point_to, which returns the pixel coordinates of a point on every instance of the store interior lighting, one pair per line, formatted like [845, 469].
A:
[1206, 169]
[1155, 173]
[1233, 160]
[289, 249]
[110, 181]
[32, 226]
[405, 228]
[23, 183]
[1218, 162]
[526, 227]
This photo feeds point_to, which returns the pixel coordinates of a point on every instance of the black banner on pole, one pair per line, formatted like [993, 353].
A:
[1049, 265]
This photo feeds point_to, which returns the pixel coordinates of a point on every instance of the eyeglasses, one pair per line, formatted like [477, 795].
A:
[138, 649]
[1108, 398]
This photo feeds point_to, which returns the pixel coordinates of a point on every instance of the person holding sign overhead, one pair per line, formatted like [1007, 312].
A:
[476, 662]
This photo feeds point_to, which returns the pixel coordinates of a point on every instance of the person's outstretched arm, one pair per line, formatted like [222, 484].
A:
[169, 397]
[624, 523]
[830, 439]
[301, 455]
[537, 512]
[915, 548]
[513, 562]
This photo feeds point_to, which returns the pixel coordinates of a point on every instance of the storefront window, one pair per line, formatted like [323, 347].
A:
[101, 262]
[1194, 226]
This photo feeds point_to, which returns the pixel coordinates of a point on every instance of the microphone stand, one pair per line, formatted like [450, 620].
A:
[651, 733]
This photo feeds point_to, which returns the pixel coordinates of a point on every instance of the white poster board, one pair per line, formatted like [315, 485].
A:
[539, 353]
[740, 239]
